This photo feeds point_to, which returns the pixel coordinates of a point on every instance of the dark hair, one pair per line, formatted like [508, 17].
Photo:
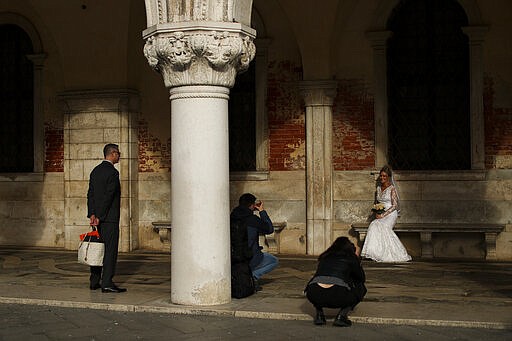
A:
[386, 169]
[109, 149]
[246, 200]
[342, 246]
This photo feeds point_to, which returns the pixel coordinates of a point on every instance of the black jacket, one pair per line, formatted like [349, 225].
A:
[104, 194]
[255, 226]
[346, 268]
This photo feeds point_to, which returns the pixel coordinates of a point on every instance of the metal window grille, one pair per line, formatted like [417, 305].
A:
[16, 101]
[428, 86]
[242, 122]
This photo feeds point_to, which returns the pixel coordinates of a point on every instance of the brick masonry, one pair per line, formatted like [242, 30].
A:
[353, 127]
[498, 130]
[154, 156]
[286, 117]
[54, 148]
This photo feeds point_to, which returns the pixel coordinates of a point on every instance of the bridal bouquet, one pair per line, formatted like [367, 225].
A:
[378, 208]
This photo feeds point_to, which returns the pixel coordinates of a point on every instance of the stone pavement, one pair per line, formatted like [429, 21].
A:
[418, 293]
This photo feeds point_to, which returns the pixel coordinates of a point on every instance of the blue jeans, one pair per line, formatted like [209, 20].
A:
[267, 264]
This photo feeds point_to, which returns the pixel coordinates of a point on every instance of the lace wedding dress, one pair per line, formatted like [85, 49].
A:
[381, 243]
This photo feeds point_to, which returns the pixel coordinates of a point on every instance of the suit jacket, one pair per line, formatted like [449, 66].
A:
[104, 194]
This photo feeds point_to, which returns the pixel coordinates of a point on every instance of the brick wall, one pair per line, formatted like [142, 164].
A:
[498, 130]
[353, 127]
[286, 117]
[154, 156]
[54, 148]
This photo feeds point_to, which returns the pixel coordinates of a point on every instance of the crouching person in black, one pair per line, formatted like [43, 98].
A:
[338, 282]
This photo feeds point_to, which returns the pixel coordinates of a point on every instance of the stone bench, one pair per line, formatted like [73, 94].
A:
[164, 231]
[270, 239]
[425, 230]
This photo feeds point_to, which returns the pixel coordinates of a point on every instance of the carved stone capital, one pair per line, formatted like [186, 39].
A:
[199, 57]
[318, 93]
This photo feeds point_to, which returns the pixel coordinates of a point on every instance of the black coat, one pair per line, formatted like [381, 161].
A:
[104, 194]
[347, 268]
[255, 226]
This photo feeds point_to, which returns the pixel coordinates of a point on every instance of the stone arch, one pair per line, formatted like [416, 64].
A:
[385, 7]
[258, 24]
[26, 25]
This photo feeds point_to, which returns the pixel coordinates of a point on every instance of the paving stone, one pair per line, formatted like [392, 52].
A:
[436, 293]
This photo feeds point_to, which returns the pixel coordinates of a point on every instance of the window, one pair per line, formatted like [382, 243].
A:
[16, 101]
[428, 87]
[242, 122]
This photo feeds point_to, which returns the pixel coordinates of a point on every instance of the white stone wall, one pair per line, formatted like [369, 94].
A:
[482, 196]
[32, 209]
[154, 205]
[91, 120]
[430, 197]
[283, 194]
[284, 197]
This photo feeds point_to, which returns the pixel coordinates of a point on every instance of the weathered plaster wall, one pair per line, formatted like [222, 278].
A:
[101, 48]
[498, 126]
[285, 117]
[353, 127]
[54, 148]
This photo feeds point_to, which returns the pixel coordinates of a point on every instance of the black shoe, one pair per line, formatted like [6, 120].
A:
[320, 317]
[257, 286]
[113, 289]
[342, 321]
[94, 286]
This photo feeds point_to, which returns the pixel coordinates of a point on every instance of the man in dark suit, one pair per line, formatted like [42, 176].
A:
[103, 209]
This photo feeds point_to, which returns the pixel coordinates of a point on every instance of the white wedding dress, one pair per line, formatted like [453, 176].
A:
[381, 243]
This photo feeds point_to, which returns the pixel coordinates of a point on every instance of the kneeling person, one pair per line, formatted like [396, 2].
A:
[261, 262]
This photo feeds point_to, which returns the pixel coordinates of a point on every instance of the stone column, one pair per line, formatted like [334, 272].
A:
[476, 35]
[379, 40]
[199, 64]
[318, 98]
[38, 61]
[93, 118]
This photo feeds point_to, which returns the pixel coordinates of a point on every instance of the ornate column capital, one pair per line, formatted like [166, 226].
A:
[318, 93]
[200, 54]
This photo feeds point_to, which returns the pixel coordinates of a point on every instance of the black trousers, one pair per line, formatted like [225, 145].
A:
[109, 234]
[334, 297]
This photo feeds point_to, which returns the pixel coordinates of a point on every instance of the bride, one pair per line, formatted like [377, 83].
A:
[381, 243]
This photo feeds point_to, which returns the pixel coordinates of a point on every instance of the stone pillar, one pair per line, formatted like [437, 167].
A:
[200, 263]
[476, 35]
[38, 61]
[318, 98]
[91, 120]
[199, 61]
[379, 40]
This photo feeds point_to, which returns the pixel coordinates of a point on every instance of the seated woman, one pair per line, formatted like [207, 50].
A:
[338, 282]
[381, 243]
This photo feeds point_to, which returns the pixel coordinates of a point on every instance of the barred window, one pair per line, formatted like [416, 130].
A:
[428, 86]
[16, 101]
[242, 122]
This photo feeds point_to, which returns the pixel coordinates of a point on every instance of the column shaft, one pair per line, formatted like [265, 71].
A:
[318, 96]
[200, 263]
